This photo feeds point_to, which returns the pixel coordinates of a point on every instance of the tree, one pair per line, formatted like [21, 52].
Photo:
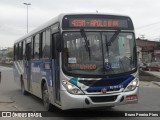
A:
[10, 55]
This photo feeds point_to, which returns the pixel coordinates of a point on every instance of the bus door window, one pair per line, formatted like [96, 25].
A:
[56, 72]
[28, 69]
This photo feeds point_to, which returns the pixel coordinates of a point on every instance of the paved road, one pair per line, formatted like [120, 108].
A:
[11, 99]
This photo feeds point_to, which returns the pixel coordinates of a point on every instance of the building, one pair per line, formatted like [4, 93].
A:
[6, 55]
[148, 51]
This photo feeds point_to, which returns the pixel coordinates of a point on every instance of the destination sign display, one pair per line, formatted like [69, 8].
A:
[96, 21]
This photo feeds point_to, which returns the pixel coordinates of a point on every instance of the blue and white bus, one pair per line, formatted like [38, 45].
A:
[79, 61]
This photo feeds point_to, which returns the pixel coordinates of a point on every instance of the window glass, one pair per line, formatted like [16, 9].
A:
[43, 43]
[15, 52]
[24, 49]
[18, 52]
[36, 47]
[104, 54]
[21, 50]
[40, 45]
[46, 44]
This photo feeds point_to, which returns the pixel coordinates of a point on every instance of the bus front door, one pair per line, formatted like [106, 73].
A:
[28, 66]
[56, 70]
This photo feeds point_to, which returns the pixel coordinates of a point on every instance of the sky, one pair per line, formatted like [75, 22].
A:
[13, 15]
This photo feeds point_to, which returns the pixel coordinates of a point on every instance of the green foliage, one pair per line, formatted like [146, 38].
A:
[10, 55]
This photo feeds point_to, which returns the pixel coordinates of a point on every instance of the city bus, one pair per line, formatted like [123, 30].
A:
[79, 61]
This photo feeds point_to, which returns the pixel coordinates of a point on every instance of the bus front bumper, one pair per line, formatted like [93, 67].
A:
[69, 101]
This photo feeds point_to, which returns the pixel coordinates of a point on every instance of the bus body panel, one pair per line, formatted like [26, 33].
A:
[50, 71]
[70, 101]
[41, 70]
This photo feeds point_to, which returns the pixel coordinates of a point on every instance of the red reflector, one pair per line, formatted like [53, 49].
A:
[131, 97]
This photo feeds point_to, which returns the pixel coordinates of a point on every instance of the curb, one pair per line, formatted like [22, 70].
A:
[156, 83]
[149, 77]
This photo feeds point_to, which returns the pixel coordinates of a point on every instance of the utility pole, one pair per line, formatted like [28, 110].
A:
[27, 4]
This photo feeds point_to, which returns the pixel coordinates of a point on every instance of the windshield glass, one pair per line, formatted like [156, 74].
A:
[97, 54]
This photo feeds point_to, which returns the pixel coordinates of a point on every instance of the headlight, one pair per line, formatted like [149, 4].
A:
[132, 85]
[71, 88]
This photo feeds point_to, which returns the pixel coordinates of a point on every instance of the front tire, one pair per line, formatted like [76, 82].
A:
[45, 98]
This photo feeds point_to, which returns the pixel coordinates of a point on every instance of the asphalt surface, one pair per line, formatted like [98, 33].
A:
[11, 99]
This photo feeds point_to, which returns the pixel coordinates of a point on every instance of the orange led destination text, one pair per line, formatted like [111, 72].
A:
[94, 23]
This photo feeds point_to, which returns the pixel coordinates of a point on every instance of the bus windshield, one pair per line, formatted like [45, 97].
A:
[97, 53]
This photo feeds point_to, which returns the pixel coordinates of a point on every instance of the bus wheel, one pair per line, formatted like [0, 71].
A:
[45, 98]
[24, 92]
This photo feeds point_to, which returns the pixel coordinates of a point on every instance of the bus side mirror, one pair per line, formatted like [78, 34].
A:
[58, 44]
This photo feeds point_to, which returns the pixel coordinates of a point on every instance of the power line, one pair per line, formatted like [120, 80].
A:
[144, 26]
[149, 28]
[151, 31]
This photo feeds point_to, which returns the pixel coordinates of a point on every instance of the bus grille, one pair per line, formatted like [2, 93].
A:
[100, 83]
[104, 98]
[99, 91]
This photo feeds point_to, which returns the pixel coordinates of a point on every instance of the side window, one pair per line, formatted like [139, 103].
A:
[40, 45]
[43, 44]
[18, 51]
[32, 46]
[21, 51]
[24, 49]
[46, 44]
[15, 52]
[36, 47]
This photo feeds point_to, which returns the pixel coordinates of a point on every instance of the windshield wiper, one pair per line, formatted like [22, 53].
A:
[83, 34]
[113, 38]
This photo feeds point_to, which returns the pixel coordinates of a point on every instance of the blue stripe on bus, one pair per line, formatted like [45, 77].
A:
[108, 83]
[111, 82]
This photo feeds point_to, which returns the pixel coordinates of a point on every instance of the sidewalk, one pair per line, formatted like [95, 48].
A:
[155, 73]
[150, 84]
[149, 76]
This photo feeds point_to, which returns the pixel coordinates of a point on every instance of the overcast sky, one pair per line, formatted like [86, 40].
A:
[144, 13]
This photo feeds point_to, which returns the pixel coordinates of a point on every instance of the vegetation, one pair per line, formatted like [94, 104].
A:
[10, 55]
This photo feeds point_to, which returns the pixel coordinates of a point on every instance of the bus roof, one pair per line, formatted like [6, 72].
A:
[56, 20]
